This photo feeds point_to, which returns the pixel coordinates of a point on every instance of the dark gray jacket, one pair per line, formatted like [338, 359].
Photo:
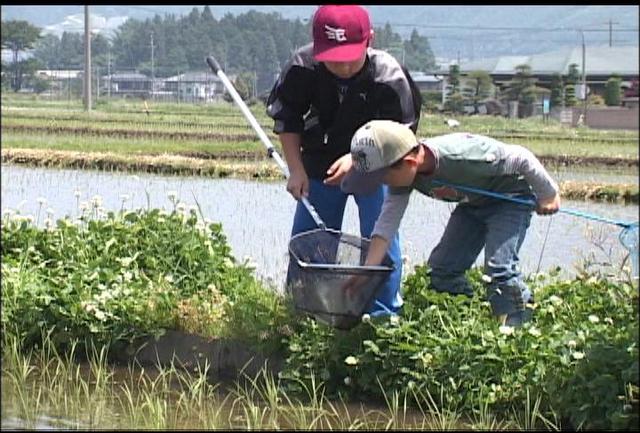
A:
[305, 100]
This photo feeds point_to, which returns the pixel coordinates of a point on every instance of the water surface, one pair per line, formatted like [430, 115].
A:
[256, 216]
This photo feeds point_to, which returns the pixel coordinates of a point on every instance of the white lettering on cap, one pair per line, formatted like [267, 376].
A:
[364, 152]
[335, 33]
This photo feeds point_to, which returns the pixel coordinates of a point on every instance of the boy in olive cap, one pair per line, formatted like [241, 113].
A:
[388, 152]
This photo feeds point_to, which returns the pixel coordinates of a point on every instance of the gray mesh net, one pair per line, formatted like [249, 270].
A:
[322, 263]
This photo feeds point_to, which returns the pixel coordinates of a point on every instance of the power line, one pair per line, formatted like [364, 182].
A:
[482, 28]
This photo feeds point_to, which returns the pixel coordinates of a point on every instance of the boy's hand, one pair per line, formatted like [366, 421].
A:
[353, 286]
[549, 206]
[338, 169]
[298, 184]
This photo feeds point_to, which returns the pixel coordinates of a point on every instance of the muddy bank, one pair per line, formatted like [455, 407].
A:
[551, 160]
[254, 165]
[227, 359]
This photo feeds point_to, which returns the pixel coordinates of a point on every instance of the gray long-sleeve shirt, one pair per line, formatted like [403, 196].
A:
[475, 161]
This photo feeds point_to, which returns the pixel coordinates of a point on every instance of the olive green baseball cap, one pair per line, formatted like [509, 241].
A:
[374, 147]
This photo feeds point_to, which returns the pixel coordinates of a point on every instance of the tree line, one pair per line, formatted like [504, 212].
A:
[254, 42]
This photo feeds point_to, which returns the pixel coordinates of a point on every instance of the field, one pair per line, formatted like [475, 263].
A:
[101, 281]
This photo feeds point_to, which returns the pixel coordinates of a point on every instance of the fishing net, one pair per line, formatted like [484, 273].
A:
[629, 239]
[327, 277]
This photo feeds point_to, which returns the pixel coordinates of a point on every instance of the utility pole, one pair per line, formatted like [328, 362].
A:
[109, 69]
[611, 23]
[610, 32]
[153, 75]
[584, 79]
[97, 83]
[255, 84]
[87, 60]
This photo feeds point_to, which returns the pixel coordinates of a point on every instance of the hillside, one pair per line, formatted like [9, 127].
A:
[464, 31]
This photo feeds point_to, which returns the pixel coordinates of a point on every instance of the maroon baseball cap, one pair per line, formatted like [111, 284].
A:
[340, 33]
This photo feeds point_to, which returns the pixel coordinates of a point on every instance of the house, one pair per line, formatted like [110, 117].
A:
[601, 62]
[127, 84]
[427, 82]
[195, 86]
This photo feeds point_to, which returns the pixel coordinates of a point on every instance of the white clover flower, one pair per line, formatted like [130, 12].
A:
[555, 300]
[534, 331]
[48, 223]
[96, 201]
[486, 278]
[608, 320]
[593, 318]
[577, 355]
[125, 261]
[77, 193]
[347, 381]
[394, 319]
[351, 360]
[124, 197]
[366, 318]
[426, 359]
[411, 384]
[433, 307]
[168, 278]
[506, 330]
[572, 343]
[100, 315]
[172, 195]
[84, 206]
[181, 207]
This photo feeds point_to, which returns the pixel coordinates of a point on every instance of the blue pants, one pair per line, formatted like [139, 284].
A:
[499, 227]
[330, 202]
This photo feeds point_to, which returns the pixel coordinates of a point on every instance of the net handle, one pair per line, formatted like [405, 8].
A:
[215, 67]
[622, 224]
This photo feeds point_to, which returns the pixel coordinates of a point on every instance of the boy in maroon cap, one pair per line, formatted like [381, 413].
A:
[325, 92]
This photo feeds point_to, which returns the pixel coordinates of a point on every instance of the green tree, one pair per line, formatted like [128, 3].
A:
[522, 88]
[480, 85]
[613, 91]
[556, 90]
[384, 37]
[18, 36]
[71, 50]
[47, 51]
[418, 55]
[571, 80]
[455, 100]
[243, 86]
